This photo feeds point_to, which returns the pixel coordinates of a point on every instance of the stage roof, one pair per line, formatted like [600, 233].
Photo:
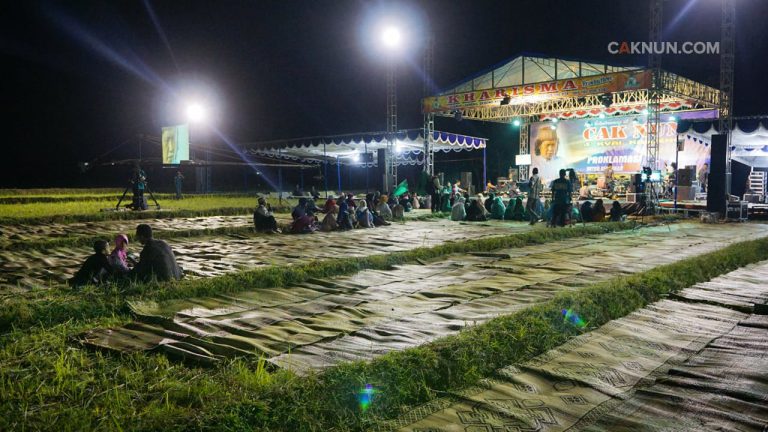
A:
[542, 87]
[346, 149]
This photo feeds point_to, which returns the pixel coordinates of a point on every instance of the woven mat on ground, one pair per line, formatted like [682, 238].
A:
[214, 256]
[672, 366]
[322, 322]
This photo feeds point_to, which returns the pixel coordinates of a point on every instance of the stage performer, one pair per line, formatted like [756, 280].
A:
[561, 197]
[609, 181]
[532, 204]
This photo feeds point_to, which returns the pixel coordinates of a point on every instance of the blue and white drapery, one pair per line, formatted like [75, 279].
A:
[749, 145]
[348, 149]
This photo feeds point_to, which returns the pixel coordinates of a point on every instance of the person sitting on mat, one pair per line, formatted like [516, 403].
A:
[515, 210]
[306, 224]
[329, 221]
[476, 211]
[300, 209]
[498, 208]
[586, 212]
[118, 259]
[598, 211]
[383, 208]
[156, 260]
[343, 220]
[263, 219]
[95, 269]
[459, 212]
[617, 212]
[364, 216]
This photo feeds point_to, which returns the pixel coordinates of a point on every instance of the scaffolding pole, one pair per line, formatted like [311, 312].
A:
[429, 118]
[727, 57]
[391, 168]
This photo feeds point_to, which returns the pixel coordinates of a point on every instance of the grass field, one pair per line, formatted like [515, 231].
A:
[46, 379]
[94, 209]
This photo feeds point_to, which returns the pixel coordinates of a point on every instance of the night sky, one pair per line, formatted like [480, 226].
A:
[82, 77]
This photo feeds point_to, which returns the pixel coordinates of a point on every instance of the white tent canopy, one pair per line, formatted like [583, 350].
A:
[749, 148]
[347, 149]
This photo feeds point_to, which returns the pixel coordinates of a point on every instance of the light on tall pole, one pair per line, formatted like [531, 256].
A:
[197, 114]
[391, 39]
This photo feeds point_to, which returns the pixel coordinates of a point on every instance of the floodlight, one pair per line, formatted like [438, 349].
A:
[672, 118]
[602, 115]
[555, 120]
[516, 122]
[391, 37]
[196, 112]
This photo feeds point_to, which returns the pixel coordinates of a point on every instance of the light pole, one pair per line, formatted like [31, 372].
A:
[391, 40]
[198, 114]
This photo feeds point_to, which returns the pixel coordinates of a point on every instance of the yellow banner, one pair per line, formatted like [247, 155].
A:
[528, 93]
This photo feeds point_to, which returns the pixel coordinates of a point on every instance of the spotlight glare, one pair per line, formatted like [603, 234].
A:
[391, 37]
[555, 120]
[196, 113]
[672, 118]
[516, 122]
[602, 115]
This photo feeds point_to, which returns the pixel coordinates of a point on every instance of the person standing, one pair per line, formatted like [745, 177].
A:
[436, 191]
[561, 199]
[702, 176]
[178, 182]
[532, 205]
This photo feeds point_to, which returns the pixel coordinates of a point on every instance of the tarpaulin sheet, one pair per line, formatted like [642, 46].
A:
[321, 322]
[216, 255]
[672, 366]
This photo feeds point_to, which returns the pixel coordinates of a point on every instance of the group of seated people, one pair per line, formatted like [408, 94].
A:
[156, 261]
[492, 207]
[342, 213]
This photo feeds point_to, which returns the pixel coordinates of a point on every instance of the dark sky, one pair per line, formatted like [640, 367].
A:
[81, 77]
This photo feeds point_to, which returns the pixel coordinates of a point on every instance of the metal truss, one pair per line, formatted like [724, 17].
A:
[524, 148]
[429, 118]
[727, 56]
[391, 169]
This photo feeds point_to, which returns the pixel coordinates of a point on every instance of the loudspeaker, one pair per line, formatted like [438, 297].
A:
[637, 186]
[466, 182]
[685, 193]
[716, 181]
[684, 177]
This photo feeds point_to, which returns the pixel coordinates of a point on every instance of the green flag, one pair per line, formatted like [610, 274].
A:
[401, 188]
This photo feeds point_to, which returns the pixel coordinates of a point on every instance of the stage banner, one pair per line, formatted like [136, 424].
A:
[589, 145]
[565, 88]
[175, 141]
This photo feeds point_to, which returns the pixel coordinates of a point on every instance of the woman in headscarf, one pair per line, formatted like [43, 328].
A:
[586, 212]
[329, 221]
[415, 201]
[364, 216]
[616, 212]
[343, 220]
[489, 201]
[118, 259]
[476, 211]
[383, 208]
[459, 212]
[446, 199]
[300, 209]
[515, 210]
[598, 211]
[498, 208]
[330, 204]
[304, 224]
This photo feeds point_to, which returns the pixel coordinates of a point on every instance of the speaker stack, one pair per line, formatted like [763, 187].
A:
[716, 193]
